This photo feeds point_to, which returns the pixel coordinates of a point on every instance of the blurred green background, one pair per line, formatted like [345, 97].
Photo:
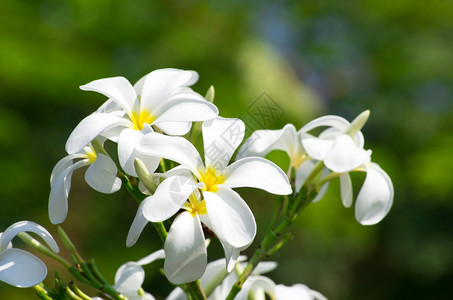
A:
[312, 58]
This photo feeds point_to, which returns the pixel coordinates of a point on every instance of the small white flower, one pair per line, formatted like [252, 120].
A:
[162, 99]
[217, 206]
[130, 276]
[18, 267]
[340, 153]
[100, 175]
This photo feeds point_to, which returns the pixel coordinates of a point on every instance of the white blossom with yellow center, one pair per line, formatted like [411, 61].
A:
[162, 99]
[100, 175]
[204, 191]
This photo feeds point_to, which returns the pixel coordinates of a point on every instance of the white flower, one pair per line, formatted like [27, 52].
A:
[130, 276]
[100, 175]
[217, 206]
[162, 99]
[340, 153]
[18, 267]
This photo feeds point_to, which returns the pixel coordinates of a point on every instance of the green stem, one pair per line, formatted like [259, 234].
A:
[78, 292]
[29, 240]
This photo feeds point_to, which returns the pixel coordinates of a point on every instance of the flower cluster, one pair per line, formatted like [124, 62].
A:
[151, 125]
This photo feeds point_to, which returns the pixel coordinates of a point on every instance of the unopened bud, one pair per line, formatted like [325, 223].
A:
[358, 123]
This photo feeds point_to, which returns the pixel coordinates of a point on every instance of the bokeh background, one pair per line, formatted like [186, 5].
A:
[312, 58]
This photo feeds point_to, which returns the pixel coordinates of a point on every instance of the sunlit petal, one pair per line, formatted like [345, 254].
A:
[159, 85]
[173, 148]
[337, 122]
[259, 173]
[169, 197]
[230, 217]
[92, 126]
[316, 147]
[101, 175]
[221, 137]
[128, 141]
[261, 142]
[185, 107]
[303, 171]
[345, 156]
[159, 254]
[185, 250]
[375, 197]
[174, 128]
[118, 89]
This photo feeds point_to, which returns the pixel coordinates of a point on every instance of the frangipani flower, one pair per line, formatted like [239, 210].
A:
[219, 282]
[18, 267]
[217, 206]
[340, 153]
[130, 276]
[162, 99]
[100, 175]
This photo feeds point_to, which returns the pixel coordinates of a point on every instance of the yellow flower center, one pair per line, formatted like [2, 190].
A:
[195, 206]
[139, 119]
[211, 179]
[90, 153]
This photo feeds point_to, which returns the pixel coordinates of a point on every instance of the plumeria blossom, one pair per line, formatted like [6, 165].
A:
[100, 175]
[130, 276]
[162, 99]
[255, 287]
[204, 192]
[340, 152]
[20, 268]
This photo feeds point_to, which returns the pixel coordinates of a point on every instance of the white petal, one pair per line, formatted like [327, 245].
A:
[173, 148]
[259, 173]
[28, 226]
[101, 175]
[255, 286]
[337, 122]
[177, 294]
[297, 291]
[159, 85]
[346, 190]
[169, 197]
[129, 278]
[185, 107]
[92, 126]
[265, 267]
[118, 89]
[375, 197]
[185, 251]
[175, 128]
[59, 190]
[230, 217]
[261, 142]
[316, 148]
[159, 254]
[127, 143]
[21, 269]
[345, 156]
[231, 255]
[63, 164]
[137, 226]
[221, 137]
